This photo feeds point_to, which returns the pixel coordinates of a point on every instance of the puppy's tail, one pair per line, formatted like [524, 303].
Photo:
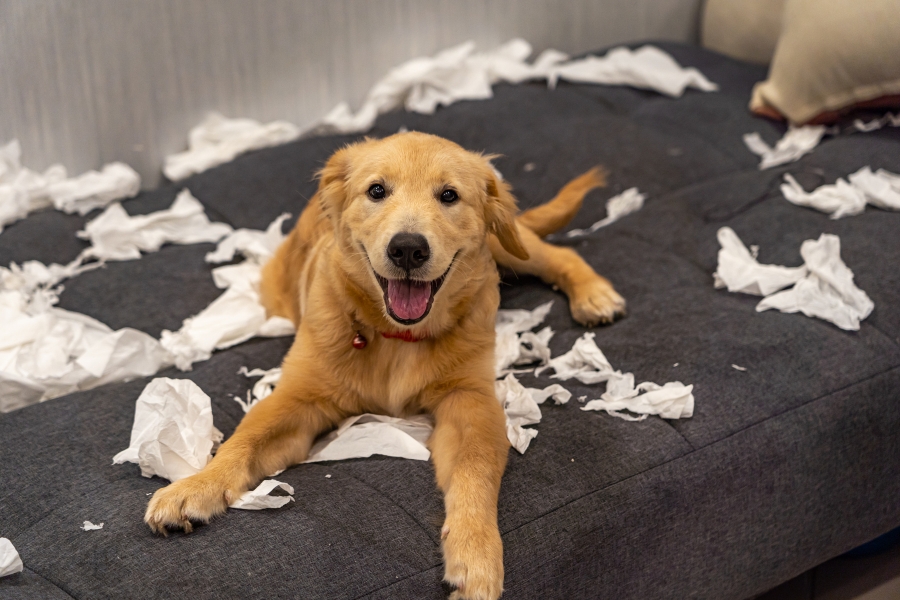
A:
[554, 215]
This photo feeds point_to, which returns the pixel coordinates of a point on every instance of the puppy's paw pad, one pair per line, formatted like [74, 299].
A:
[473, 564]
[188, 500]
[596, 303]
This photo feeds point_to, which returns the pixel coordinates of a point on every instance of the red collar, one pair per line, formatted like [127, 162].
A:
[404, 335]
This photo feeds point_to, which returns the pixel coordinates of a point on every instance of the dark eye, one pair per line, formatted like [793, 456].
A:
[376, 192]
[449, 197]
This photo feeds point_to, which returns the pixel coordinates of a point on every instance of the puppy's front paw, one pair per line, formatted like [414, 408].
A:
[473, 561]
[595, 302]
[194, 498]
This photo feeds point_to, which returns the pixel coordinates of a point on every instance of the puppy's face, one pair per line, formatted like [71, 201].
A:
[411, 214]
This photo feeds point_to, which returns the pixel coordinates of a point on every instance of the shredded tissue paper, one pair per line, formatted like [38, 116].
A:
[796, 142]
[10, 561]
[629, 201]
[88, 526]
[173, 437]
[847, 198]
[23, 190]
[823, 287]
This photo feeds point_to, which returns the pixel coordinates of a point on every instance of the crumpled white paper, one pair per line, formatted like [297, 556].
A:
[173, 433]
[364, 435]
[629, 201]
[515, 343]
[888, 119]
[587, 363]
[823, 286]
[828, 291]
[10, 561]
[521, 407]
[47, 352]
[173, 437]
[88, 526]
[237, 315]
[739, 271]
[796, 142]
[217, 140]
[114, 235]
[846, 198]
[460, 73]
[23, 190]
[648, 67]
[261, 389]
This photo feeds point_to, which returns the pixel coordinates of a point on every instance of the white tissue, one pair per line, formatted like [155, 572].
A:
[587, 363]
[648, 67]
[796, 142]
[848, 198]
[173, 433]
[739, 271]
[23, 190]
[237, 315]
[259, 498]
[828, 291]
[114, 235]
[261, 389]
[888, 119]
[460, 73]
[88, 526]
[515, 344]
[364, 435]
[521, 409]
[10, 561]
[629, 201]
[217, 140]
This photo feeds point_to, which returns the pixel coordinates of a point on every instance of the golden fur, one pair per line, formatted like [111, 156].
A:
[322, 279]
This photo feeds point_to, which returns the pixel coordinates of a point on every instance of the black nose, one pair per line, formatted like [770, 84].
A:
[408, 250]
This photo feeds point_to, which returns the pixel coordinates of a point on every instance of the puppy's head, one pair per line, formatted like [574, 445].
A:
[411, 215]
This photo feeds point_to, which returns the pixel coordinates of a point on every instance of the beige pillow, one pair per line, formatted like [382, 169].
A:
[743, 29]
[832, 56]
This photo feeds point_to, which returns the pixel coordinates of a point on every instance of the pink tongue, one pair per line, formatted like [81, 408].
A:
[409, 299]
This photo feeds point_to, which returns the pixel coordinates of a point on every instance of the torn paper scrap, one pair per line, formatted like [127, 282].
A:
[364, 435]
[739, 271]
[259, 498]
[888, 119]
[88, 526]
[673, 400]
[114, 235]
[585, 362]
[217, 140]
[796, 142]
[648, 67]
[847, 198]
[828, 291]
[738, 367]
[629, 201]
[261, 389]
[47, 352]
[520, 408]
[515, 344]
[173, 433]
[10, 561]
[255, 245]
[556, 392]
[23, 190]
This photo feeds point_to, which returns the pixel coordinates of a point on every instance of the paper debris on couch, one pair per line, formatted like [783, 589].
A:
[587, 363]
[88, 526]
[23, 190]
[217, 140]
[47, 352]
[10, 561]
[823, 287]
[796, 142]
[364, 435]
[261, 389]
[173, 437]
[515, 343]
[847, 198]
[115, 235]
[629, 201]
[238, 314]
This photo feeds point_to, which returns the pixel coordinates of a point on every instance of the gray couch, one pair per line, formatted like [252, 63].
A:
[782, 467]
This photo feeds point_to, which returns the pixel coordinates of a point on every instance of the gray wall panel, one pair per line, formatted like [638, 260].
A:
[88, 82]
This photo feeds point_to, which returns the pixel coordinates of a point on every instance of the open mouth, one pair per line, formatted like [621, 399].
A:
[408, 301]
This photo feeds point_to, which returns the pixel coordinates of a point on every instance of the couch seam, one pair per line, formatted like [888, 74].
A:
[51, 582]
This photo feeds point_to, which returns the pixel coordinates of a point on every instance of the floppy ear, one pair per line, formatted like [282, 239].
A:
[500, 215]
[332, 193]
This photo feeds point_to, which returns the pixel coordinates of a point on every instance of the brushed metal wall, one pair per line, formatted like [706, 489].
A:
[88, 82]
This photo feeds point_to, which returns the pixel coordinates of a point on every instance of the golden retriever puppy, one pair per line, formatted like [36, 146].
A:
[390, 276]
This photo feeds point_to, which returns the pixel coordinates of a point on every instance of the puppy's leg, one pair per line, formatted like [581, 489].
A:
[592, 298]
[275, 434]
[469, 449]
